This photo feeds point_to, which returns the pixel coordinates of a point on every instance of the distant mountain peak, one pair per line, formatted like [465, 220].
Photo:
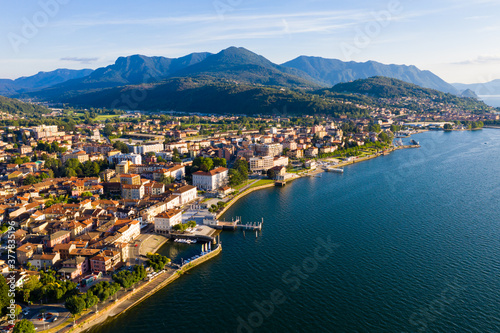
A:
[40, 80]
[333, 71]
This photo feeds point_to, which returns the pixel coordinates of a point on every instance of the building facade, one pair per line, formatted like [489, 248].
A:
[166, 220]
[212, 180]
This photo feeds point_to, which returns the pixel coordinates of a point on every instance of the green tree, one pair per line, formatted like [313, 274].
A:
[207, 164]
[121, 147]
[395, 128]
[108, 130]
[235, 178]
[383, 136]
[4, 295]
[166, 180]
[219, 162]
[24, 326]
[204, 163]
[242, 167]
[375, 128]
[90, 299]
[30, 179]
[71, 172]
[75, 305]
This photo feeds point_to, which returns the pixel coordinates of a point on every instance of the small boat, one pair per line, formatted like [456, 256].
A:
[338, 170]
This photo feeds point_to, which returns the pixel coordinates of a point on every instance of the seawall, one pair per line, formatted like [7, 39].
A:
[241, 195]
[133, 298]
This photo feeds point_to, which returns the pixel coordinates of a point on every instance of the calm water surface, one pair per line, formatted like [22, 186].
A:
[415, 248]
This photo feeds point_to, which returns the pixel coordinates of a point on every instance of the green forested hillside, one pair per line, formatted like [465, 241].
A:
[16, 107]
[384, 87]
[214, 96]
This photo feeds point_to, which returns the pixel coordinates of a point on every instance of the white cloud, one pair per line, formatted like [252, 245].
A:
[80, 60]
[480, 60]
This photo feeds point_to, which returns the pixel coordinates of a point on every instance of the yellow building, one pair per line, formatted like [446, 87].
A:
[130, 179]
[123, 167]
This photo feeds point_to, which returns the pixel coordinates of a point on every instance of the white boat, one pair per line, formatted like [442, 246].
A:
[339, 170]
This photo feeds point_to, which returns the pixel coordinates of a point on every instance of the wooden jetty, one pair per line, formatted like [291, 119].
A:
[235, 224]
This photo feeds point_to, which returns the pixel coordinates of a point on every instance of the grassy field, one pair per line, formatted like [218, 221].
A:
[239, 187]
[262, 182]
[105, 116]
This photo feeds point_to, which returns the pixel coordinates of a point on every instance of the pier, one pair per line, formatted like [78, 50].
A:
[233, 225]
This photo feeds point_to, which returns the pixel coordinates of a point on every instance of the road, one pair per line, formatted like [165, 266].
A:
[57, 313]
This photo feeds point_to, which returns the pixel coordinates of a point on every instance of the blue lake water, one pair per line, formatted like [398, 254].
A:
[492, 100]
[413, 245]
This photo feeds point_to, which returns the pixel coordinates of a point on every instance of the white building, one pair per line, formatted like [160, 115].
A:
[212, 180]
[178, 172]
[134, 158]
[129, 231]
[166, 220]
[261, 163]
[173, 201]
[155, 147]
[186, 194]
[280, 161]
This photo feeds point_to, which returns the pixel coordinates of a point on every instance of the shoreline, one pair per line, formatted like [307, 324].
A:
[118, 308]
[308, 174]
[131, 299]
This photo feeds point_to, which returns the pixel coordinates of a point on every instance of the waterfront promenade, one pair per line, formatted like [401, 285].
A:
[248, 189]
[126, 299]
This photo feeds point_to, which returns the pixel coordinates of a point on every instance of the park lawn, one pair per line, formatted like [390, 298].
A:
[237, 188]
[262, 182]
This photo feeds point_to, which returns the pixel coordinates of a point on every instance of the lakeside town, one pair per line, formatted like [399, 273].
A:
[85, 208]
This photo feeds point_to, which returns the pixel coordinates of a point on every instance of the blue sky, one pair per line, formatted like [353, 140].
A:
[456, 39]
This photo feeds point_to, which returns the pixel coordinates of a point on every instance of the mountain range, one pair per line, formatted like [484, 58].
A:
[236, 65]
[331, 71]
[40, 81]
[481, 89]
